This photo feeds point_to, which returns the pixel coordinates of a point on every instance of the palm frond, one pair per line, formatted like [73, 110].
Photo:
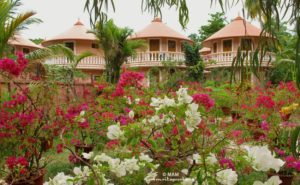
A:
[80, 57]
[57, 50]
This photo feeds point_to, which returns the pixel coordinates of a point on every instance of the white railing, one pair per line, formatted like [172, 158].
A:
[224, 59]
[141, 59]
[93, 62]
[150, 59]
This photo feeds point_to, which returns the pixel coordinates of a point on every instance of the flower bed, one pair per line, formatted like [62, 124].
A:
[128, 134]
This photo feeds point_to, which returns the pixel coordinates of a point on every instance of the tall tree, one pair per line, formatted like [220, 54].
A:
[116, 46]
[194, 37]
[12, 22]
[216, 22]
[193, 61]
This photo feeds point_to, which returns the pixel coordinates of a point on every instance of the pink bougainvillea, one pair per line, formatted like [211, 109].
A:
[128, 79]
[14, 67]
[205, 100]
[265, 101]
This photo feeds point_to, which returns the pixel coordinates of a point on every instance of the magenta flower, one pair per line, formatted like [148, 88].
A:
[265, 101]
[226, 163]
[265, 126]
[205, 100]
[14, 68]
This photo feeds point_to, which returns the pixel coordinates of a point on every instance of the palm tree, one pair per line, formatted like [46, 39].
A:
[11, 22]
[116, 46]
[65, 74]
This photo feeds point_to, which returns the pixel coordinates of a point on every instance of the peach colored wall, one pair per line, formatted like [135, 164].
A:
[80, 46]
[20, 48]
[235, 43]
[164, 43]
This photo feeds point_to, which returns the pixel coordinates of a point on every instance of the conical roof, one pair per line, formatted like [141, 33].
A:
[237, 28]
[157, 29]
[18, 40]
[77, 32]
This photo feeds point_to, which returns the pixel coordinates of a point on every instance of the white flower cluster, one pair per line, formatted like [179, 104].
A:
[262, 159]
[159, 120]
[183, 97]
[193, 117]
[274, 180]
[211, 159]
[189, 181]
[60, 179]
[121, 168]
[227, 177]
[160, 103]
[131, 114]
[114, 132]
[150, 177]
[116, 166]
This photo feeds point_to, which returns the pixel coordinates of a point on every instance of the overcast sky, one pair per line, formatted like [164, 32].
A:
[60, 15]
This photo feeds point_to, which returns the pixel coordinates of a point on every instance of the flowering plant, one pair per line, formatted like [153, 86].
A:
[27, 124]
[289, 109]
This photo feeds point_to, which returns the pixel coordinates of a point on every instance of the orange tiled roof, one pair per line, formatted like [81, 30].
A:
[157, 29]
[77, 32]
[239, 27]
[18, 40]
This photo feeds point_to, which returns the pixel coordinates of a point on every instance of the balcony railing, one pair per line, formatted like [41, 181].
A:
[141, 59]
[224, 59]
[93, 62]
[150, 59]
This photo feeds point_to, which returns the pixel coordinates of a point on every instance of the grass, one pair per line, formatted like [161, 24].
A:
[58, 163]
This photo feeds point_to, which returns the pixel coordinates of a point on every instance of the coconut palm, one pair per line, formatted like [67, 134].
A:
[12, 22]
[65, 74]
[116, 46]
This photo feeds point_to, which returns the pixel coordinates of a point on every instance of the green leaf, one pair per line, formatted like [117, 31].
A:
[294, 141]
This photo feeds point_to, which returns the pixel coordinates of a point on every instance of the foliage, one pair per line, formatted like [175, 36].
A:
[196, 72]
[265, 11]
[27, 124]
[65, 74]
[116, 46]
[283, 71]
[37, 40]
[191, 53]
[216, 22]
[194, 37]
[12, 22]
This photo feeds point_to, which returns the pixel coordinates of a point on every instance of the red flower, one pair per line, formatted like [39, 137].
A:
[236, 133]
[130, 79]
[175, 130]
[112, 144]
[59, 148]
[205, 100]
[14, 68]
[12, 162]
[170, 163]
[226, 163]
[265, 101]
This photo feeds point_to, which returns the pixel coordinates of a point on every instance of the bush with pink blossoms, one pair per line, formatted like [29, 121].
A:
[204, 100]
[13, 67]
